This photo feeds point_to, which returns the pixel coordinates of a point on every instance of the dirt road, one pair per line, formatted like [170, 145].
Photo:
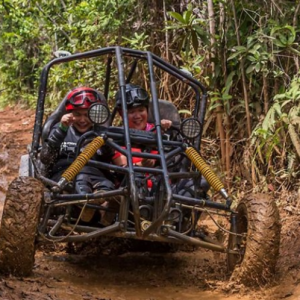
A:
[119, 272]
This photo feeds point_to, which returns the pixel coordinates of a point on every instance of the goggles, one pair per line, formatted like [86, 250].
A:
[82, 97]
[136, 96]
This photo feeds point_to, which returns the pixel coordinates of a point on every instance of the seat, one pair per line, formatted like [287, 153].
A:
[53, 119]
[167, 110]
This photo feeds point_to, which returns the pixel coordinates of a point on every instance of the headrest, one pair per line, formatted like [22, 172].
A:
[54, 118]
[167, 110]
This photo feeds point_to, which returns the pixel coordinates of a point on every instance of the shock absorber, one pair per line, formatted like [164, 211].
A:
[81, 160]
[207, 173]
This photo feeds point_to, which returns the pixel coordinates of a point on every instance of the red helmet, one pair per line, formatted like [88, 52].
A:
[83, 98]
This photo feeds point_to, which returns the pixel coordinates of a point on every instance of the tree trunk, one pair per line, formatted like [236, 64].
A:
[219, 109]
[246, 96]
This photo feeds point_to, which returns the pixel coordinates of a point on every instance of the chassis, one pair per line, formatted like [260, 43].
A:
[37, 209]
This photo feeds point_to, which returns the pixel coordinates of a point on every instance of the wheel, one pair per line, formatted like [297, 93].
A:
[19, 225]
[258, 220]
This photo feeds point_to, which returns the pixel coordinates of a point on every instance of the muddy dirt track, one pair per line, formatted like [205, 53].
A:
[126, 271]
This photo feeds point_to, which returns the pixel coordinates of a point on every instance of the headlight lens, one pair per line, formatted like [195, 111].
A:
[98, 113]
[191, 128]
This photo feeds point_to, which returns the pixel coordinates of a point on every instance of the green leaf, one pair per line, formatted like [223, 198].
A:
[187, 16]
[283, 39]
[184, 111]
[195, 41]
[232, 56]
[277, 108]
[257, 67]
[251, 58]
[278, 43]
[268, 123]
[229, 82]
[241, 48]
[250, 69]
[226, 97]
[177, 16]
[214, 106]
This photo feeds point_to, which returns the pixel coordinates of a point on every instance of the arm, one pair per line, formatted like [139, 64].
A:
[50, 149]
[120, 160]
[165, 124]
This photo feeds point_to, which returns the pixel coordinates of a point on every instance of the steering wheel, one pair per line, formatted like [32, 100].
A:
[173, 132]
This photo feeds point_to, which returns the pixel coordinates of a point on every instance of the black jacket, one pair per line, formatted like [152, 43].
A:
[59, 149]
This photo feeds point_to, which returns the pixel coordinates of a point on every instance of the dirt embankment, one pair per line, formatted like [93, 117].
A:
[111, 271]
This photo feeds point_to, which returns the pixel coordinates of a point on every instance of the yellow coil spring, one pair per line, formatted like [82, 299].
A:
[205, 170]
[83, 158]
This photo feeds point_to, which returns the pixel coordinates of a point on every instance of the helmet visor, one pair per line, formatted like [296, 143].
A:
[137, 96]
[84, 97]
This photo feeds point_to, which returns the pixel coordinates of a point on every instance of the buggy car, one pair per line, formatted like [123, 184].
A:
[38, 209]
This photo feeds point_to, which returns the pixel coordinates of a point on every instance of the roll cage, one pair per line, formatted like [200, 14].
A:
[115, 137]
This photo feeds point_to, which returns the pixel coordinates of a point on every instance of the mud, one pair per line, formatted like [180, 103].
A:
[121, 270]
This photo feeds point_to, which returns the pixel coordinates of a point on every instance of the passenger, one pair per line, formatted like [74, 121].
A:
[58, 151]
[137, 100]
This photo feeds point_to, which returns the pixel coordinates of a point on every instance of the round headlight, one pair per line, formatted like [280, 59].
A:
[191, 128]
[98, 113]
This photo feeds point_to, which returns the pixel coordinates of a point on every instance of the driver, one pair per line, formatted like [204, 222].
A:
[58, 151]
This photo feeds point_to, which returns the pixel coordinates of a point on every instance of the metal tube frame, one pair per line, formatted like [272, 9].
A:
[156, 230]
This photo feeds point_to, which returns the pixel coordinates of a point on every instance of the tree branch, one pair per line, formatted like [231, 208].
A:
[53, 21]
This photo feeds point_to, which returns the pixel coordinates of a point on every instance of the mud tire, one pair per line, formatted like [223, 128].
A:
[19, 226]
[258, 217]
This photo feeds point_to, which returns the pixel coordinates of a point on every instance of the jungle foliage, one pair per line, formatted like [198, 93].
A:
[246, 52]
